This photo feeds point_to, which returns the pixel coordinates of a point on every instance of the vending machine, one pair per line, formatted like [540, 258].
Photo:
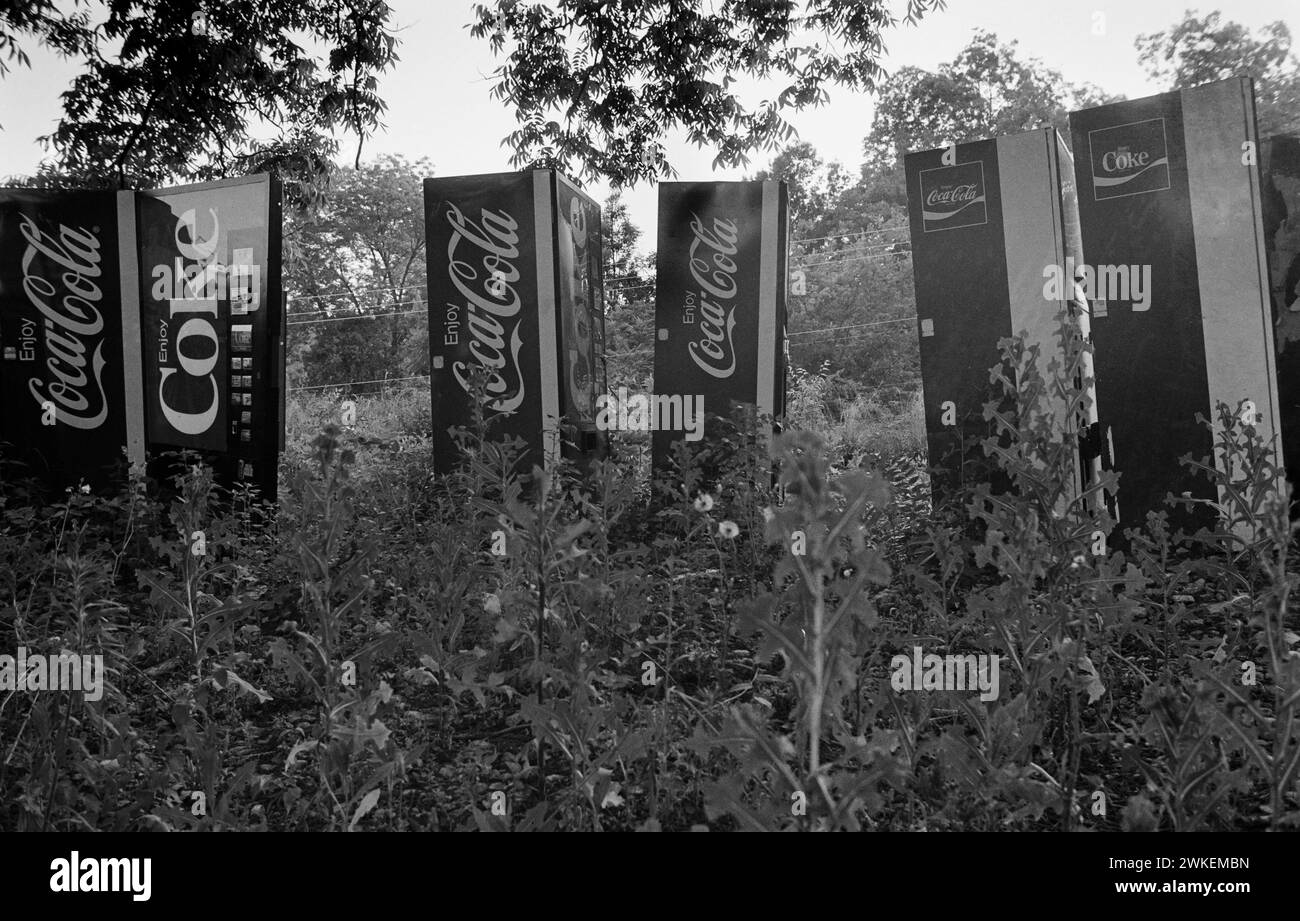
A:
[995, 248]
[1170, 208]
[1280, 168]
[516, 300]
[720, 305]
[70, 368]
[212, 323]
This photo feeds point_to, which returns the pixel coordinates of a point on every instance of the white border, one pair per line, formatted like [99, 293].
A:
[1169, 167]
[920, 180]
[547, 343]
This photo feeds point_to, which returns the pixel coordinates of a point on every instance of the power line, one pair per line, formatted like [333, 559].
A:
[363, 316]
[835, 329]
[402, 288]
[882, 257]
[846, 256]
[871, 256]
[358, 313]
[854, 247]
[893, 246]
[854, 253]
[342, 384]
[609, 355]
[802, 332]
[858, 233]
[348, 293]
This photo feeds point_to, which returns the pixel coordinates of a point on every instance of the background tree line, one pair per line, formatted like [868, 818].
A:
[355, 262]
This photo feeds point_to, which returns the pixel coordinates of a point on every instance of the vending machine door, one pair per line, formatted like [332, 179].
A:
[69, 336]
[209, 257]
[719, 301]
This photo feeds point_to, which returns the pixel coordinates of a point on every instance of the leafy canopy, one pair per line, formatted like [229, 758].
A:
[163, 96]
[355, 270]
[986, 91]
[596, 85]
[1203, 49]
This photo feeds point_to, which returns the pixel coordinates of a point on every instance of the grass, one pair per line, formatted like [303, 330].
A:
[393, 650]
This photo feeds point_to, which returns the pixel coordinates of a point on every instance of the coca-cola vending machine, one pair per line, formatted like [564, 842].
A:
[69, 336]
[720, 305]
[1280, 165]
[995, 246]
[213, 326]
[1170, 207]
[516, 295]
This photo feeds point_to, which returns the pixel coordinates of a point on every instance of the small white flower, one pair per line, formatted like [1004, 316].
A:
[492, 604]
[728, 529]
[704, 502]
[85, 489]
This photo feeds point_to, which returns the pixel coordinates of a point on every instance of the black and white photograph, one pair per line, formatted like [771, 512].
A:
[667, 416]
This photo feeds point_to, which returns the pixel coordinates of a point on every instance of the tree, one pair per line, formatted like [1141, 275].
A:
[851, 302]
[1203, 49]
[851, 296]
[597, 85]
[629, 297]
[169, 89]
[814, 186]
[356, 276]
[623, 264]
[986, 91]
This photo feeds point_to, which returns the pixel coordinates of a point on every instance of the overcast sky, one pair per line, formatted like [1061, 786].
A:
[438, 93]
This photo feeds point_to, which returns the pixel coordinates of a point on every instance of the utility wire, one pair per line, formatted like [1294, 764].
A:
[858, 233]
[385, 380]
[362, 316]
[834, 329]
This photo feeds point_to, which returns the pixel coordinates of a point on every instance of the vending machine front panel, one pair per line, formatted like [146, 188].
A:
[69, 336]
[212, 319]
[720, 299]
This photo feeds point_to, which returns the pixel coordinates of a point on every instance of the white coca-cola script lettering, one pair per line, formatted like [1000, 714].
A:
[952, 195]
[1114, 161]
[492, 313]
[72, 324]
[714, 270]
[203, 250]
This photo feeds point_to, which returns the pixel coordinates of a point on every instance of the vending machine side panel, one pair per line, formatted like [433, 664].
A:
[66, 346]
[1280, 174]
[580, 284]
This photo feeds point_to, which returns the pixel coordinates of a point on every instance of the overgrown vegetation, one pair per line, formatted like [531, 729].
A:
[393, 650]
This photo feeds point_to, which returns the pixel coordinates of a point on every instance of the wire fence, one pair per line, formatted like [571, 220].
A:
[795, 338]
[858, 248]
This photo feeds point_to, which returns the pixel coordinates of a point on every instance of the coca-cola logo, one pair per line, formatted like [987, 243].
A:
[1129, 159]
[73, 323]
[953, 196]
[714, 272]
[1123, 161]
[188, 392]
[492, 304]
